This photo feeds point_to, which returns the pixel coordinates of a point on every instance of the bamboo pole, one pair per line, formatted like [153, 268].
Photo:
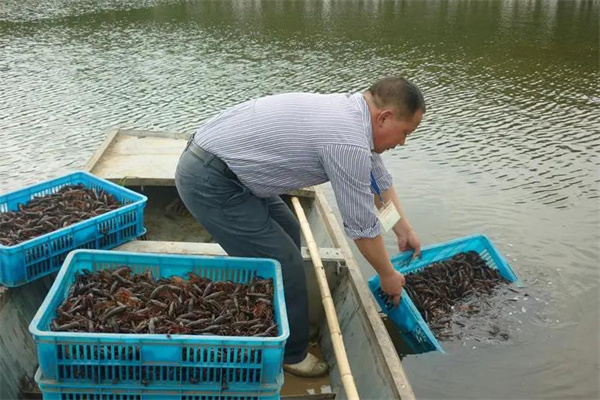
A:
[332, 321]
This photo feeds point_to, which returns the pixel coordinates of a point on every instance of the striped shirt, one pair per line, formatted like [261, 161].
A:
[284, 142]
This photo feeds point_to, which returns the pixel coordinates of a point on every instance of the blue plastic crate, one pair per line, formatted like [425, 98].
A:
[44, 254]
[52, 391]
[412, 327]
[159, 361]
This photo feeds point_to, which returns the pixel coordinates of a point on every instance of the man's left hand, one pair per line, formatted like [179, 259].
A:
[408, 240]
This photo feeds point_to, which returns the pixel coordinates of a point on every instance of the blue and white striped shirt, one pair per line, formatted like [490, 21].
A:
[284, 142]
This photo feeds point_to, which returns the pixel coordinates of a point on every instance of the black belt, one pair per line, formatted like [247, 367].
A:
[209, 159]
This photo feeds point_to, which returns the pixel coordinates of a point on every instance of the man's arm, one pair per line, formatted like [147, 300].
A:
[348, 169]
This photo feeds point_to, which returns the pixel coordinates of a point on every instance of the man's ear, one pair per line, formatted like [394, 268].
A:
[384, 115]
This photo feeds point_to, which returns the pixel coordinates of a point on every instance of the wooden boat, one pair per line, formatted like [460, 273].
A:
[145, 161]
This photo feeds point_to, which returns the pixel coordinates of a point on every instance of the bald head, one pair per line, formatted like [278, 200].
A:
[399, 94]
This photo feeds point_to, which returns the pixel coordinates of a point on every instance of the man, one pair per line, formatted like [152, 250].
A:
[237, 164]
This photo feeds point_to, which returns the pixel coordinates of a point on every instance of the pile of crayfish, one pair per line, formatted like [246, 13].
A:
[443, 286]
[45, 214]
[120, 301]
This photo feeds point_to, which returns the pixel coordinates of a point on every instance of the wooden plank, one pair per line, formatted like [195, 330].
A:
[136, 160]
[304, 192]
[131, 146]
[144, 133]
[209, 249]
[100, 150]
[383, 348]
[321, 396]
[130, 180]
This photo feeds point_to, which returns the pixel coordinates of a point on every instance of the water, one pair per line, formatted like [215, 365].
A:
[508, 147]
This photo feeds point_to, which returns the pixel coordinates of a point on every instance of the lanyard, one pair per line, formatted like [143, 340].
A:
[375, 187]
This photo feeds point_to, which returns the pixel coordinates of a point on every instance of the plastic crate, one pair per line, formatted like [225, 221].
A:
[51, 391]
[157, 360]
[412, 327]
[44, 254]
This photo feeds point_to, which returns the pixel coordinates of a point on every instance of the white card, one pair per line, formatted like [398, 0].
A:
[388, 216]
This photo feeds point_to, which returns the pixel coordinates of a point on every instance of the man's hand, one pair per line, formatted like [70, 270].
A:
[391, 280]
[408, 240]
[392, 283]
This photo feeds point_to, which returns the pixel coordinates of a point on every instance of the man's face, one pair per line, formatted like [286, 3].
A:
[389, 132]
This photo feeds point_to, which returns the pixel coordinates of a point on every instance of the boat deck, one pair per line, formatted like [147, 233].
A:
[129, 157]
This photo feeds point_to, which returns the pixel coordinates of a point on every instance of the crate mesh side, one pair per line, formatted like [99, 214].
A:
[114, 363]
[239, 375]
[219, 397]
[209, 354]
[149, 375]
[485, 254]
[48, 191]
[420, 335]
[107, 226]
[89, 245]
[129, 232]
[220, 274]
[199, 374]
[88, 352]
[98, 396]
[35, 253]
[128, 221]
[384, 299]
[45, 265]
[38, 268]
[62, 243]
[73, 362]
[108, 230]
[107, 240]
[241, 365]
[60, 247]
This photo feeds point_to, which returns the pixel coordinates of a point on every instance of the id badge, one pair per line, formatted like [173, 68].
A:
[388, 216]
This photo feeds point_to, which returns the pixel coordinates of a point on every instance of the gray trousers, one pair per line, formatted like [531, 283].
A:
[249, 226]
